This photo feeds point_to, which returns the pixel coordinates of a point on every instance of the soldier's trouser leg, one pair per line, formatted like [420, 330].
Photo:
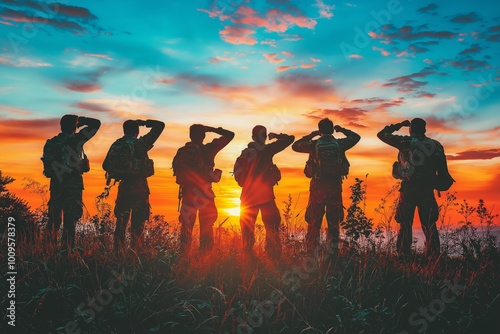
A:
[404, 216]
[334, 215]
[187, 218]
[122, 219]
[140, 214]
[208, 216]
[55, 218]
[248, 216]
[429, 213]
[73, 211]
[314, 217]
[271, 218]
[122, 213]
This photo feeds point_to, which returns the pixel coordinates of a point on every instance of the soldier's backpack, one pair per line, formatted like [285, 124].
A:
[426, 162]
[444, 180]
[247, 161]
[329, 161]
[243, 164]
[59, 158]
[187, 162]
[122, 161]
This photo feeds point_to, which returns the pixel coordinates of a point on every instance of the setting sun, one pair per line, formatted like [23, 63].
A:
[262, 166]
[233, 211]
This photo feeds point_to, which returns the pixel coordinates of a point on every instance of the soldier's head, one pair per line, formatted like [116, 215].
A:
[69, 123]
[417, 126]
[131, 128]
[325, 126]
[259, 134]
[197, 133]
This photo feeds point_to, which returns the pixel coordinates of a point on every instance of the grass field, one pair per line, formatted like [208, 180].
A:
[365, 288]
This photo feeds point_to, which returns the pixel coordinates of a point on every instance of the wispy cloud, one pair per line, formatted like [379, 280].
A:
[408, 84]
[212, 86]
[325, 11]
[92, 106]
[19, 130]
[429, 9]
[77, 20]
[285, 68]
[390, 34]
[241, 24]
[466, 18]
[86, 82]
[97, 55]
[273, 58]
[238, 35]
[219, 59]
[23, 62]
[476, 154]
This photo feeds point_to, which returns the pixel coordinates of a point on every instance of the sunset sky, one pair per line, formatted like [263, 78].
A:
[284, 64]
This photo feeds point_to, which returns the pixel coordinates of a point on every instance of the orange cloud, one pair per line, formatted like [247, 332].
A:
[304, 65]
[271, 57]
[15, 110]
[306, 86]
[245, 20]
[284, 68]
[212, 86]
[275, 20]
[324, 10]
[238, 35]
[22, 130]
[473, 154]
[382, 51]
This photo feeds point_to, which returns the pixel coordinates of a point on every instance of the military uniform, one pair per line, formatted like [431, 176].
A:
[325, 195]
[257, 194]
[132, 201]
[416, 191]
[197, 194]
[66, 187]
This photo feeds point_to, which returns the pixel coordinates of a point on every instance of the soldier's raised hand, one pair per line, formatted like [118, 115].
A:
[338, 128]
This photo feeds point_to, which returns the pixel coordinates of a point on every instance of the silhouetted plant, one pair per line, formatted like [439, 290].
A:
[357, 224]
[41, 212]
[13, 206]
[387, 213]
[102, 221]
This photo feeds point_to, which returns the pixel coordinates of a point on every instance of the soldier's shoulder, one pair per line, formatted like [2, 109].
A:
[436, 142]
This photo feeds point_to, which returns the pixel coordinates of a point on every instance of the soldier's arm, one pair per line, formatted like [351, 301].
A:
[305, 144]
[282, 142]
[153, 134]
[351, 139]
[386, 135]
[219, 143]
[91, 125]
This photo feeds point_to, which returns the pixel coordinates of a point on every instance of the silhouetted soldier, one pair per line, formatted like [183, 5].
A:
[417, 170]
[64, 162]
[256, 173]
[127, 161]
[326, 167]
[193, 167]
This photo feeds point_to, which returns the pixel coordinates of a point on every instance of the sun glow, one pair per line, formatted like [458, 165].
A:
[234, 209]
